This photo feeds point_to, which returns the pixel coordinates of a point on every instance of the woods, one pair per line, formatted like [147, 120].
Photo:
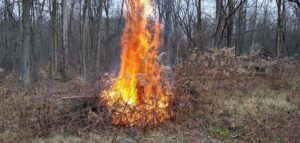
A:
[82, 36]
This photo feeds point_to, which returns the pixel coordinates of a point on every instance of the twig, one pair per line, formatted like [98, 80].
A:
[79, 97]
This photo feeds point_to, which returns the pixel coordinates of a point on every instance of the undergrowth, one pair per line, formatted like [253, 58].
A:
[219, 97]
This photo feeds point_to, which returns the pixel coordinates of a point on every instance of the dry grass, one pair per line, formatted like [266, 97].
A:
[218, 97]
[248, 99]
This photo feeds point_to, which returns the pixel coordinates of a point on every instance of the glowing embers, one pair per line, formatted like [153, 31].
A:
[132, 105]
[138, 96]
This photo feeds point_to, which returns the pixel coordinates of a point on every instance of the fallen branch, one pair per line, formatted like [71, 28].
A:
[80, 97]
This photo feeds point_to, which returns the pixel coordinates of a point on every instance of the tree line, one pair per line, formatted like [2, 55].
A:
[67, 37]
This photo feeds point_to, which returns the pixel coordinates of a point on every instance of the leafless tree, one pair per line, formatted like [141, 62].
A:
[26, 43]
[168, 32]
[84, 40]
[54, 61]
[85, 34]
[64, 39]
[241, 27]
[279, 26]
[99, 34]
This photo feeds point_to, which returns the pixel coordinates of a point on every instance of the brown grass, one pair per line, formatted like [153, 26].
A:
[218, 97]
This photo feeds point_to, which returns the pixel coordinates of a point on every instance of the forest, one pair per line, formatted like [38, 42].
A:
[129, 71]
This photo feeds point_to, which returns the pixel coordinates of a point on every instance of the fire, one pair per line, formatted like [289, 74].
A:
[138, 96]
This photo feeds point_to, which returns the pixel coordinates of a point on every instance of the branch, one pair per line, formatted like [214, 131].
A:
[295, 1]
[80, 97]
[230, 15]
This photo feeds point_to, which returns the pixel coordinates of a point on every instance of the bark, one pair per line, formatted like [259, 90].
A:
[53, 58]
[26, 43]
[8, 24]
[111, 51]
[167, 33]
[5, 24]
[159, 4]
[199, 42]
[241, 28]
[14, 41]
[199, 14]
[219, 17]
[254, 19]
[84, 36]
[64, 38]
[73, 52]
[106, 7]
[38, 37]
[265, 22]
[20, 36]
[92, 51]
[99, 36]
[284, 23]
[279, 28]
[34, 47]
[230, 24]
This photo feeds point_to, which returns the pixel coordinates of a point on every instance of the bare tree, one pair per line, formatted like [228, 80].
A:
[26, 43]
[230, 23]
[219, 19]
[99, 34]
[168, 31]
[53, 59]
[199, 23]
[241, 29]
[84, 36]
[296, 2]
[5, 24]
[64, 38]
[254, 21]
[279, 27]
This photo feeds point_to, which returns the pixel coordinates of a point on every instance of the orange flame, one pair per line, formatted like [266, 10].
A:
[137, 97]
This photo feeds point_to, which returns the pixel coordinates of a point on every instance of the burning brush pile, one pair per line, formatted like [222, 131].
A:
[139, 96]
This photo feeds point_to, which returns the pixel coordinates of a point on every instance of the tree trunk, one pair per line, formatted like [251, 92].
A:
[8, 23]
[254, 19]
[167, 33]
[39, 35]
[99, 37]
[64, 38]
[84, 36]
[26, 43]
[219, 18]
[241, 29]
[230, 24]
[199, 24]
[284, 28]
[53, 58]
[5, 25]
[34, 55]
[73, 52]
[92, 50]
[279, 28]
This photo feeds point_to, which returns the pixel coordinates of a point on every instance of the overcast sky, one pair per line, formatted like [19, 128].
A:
[208, 6]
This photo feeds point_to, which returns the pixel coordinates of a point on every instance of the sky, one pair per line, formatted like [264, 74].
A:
[208, 6]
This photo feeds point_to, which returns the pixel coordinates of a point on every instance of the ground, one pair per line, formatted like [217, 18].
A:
[215, 100]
